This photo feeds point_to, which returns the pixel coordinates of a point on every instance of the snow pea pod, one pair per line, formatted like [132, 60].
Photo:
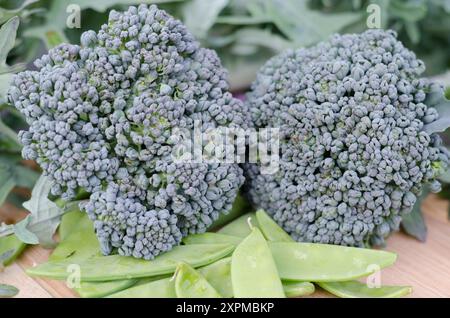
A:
[79, 244]
[161, 288]
[239, 227]
[218, 274]
[68, 223]
[298, 289]
[355, 289]
[10, 248]
[274, 232]
[212, 238]
[253, 270]
[116, 267]
[189, 283]
[326, 263]
[102, 289]
[271, 230]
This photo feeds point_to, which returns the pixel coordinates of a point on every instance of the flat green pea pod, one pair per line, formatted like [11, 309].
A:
[271, 230]
[189, 283]
[68, 223]
[218, 274]
[212, 238]
[312, 262]
[161, 288]
[253, 270]
[102, 289]
[298, 289]
[355, 289]
[10, 248]
[79, 244]
[239, 227]
[116, 267]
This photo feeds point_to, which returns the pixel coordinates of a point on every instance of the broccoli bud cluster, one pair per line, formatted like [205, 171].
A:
[354, 155]
[101, 117]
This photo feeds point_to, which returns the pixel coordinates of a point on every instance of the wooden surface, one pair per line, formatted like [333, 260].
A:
[424, 266]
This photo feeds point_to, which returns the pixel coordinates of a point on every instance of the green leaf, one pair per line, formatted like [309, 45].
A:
[242, 20]
[305, 26]
[262, 38]
[199, 15]
[412, 28]
[44, 216]
[8, 33]
[410, 11]
[6, 14]
[9, 136]
[6, 229]
[5, 80]
[103, 5]
[8, 291]
[7, 182]
[23, 233]
[436, 98]
[52, 31]
[413, 223]
[25, 177]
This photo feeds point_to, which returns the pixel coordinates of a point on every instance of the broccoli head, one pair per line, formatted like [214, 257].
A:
[357, 142]
[101, 117]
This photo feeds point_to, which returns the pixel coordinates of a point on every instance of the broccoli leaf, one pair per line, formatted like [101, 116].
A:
[437, 99]
[45, 215]
[8, 33]
[5, 79]
[8, 139]
[199, 15]
[242, 20]
[6, 14]
[7, 182]
[23, 233]
[8, 291]
[6, 229]
[410, 11]
[103, 5]
[261, 38]
[52, 31]
[25, 177]
[413, 223]
[315, 25]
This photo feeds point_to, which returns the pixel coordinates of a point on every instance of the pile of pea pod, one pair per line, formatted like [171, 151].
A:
[250, 257]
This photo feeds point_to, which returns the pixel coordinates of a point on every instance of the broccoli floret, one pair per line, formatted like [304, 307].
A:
[354, 152]
[101, 117]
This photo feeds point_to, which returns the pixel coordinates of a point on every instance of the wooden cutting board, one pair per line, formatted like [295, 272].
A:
[424, 266]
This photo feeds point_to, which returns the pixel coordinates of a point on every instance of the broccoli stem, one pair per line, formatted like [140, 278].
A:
[240, 206]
